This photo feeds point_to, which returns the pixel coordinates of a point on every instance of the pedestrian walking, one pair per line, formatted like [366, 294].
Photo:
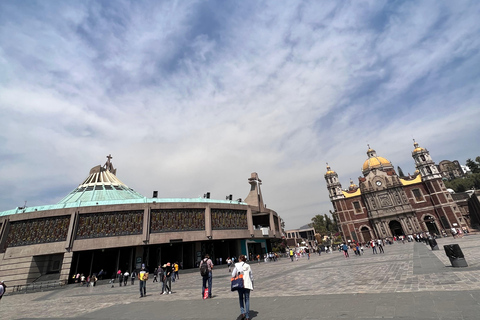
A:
[143, 277]
[120, 277]
[345, 250]
[374, 247]
[206, 267]
[133, 276]
[125, 278]
[244, 293]
[161, 276]
[176, 267]
[380, 245]
[167, 282]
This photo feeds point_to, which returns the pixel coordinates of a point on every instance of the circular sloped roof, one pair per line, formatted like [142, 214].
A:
[101, 185]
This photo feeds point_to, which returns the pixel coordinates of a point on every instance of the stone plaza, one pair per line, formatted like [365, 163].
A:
[408, 281]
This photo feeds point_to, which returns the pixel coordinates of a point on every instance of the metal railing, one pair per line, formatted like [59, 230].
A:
[36, 286]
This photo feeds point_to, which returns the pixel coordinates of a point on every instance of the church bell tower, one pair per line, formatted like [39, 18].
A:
[333, 185]
[425, 164]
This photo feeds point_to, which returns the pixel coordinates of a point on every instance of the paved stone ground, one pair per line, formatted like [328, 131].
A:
[408, 281]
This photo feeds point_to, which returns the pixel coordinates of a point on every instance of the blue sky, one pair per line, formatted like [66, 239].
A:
[193, 96]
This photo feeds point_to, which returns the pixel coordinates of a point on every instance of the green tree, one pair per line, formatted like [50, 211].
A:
[324, 225]
[474, 165]
[318, 222]
[465, 183]
[278, 245]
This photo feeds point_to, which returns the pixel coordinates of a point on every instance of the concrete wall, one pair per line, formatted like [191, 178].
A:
[23, 264]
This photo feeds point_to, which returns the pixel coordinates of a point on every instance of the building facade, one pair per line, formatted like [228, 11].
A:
[450, 169]
[104, 224]
[384, 205]
[304, 234]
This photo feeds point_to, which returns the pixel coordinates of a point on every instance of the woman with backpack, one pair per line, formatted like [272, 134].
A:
[244, 293]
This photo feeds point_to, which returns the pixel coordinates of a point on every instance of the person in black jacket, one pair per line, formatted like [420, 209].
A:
[167, 283]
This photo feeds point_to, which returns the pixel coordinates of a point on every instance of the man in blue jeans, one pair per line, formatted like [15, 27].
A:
[208, 276]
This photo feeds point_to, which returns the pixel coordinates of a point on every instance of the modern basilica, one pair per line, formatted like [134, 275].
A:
[385, 205]
[104, 224]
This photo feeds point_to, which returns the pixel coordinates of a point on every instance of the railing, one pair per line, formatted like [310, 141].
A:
[36, 286]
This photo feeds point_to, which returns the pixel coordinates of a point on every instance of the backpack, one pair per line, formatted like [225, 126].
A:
[204, 268]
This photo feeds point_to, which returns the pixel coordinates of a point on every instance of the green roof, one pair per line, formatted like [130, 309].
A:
[80, 204]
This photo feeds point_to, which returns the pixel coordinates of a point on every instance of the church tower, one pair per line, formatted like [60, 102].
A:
[333, 185]
[254, 197]
[424, 164]
[443, 203]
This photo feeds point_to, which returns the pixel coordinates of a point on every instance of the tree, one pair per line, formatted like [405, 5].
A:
[400, 172]
[318, 222]
[465, 183]
[324, 225]
[278, 245]
[474, 165]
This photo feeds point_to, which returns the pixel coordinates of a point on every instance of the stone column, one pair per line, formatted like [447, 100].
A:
[378, 230]
[208, 222]
[385, 228]
[66, 265]
[72, 229]
[418, 227]
[272, 224]
[4, 228]
[250, 220]
[146, 225]
[404, 225]
[412, 224]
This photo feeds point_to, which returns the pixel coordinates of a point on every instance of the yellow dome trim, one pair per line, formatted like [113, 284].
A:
[353, 194]
[418, 179]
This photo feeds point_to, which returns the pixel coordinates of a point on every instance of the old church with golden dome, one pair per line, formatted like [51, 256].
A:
[386, 205]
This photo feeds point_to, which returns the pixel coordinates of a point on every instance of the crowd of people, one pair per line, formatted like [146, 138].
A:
[358, 248]
[89, 280]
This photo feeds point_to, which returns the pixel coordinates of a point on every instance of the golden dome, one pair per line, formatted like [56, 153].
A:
[375, 162]
[353, 186]
[329, 171]
[417, 148]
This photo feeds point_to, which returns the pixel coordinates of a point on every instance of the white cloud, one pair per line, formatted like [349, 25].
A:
[188, 99]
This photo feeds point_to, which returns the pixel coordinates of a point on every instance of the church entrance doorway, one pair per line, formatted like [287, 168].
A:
[396, 228]
[366, 234]
[431, 225]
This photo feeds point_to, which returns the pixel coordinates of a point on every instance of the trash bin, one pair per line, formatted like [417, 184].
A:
[433, 244]
[455, 254]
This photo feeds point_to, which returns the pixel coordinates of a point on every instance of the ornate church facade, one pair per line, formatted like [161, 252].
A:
[386, 205]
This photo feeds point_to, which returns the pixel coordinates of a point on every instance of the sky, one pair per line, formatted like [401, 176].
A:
[194, 96]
